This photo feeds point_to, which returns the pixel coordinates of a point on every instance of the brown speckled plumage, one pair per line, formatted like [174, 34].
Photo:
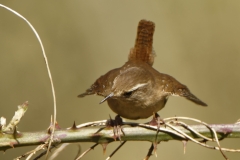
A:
[136, 90]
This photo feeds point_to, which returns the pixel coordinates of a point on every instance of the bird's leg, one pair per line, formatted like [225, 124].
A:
[116, 124]
[156, 121]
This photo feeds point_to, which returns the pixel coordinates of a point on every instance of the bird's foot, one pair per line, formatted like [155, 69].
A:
[116, 124]
[156, 120]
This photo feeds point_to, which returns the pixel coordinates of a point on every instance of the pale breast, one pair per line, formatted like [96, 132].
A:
[130, 110]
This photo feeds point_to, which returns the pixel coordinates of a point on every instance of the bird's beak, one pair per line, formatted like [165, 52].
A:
[109, 96]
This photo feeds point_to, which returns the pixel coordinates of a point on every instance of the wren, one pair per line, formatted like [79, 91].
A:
[136, 90]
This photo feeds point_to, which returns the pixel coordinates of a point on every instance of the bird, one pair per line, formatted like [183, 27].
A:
[136, 90]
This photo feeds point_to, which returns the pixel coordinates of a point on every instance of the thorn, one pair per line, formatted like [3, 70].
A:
[15, 132]
[49, 129]
[176, 118]
[11, 145]
[104, 145]
[57, 126]
[184, 146]
[74, 126]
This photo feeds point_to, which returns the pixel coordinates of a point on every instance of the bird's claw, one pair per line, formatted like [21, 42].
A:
[116, 124]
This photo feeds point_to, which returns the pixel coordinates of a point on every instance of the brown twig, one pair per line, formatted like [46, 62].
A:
[149, 152]
[85, 152]
[116, 150]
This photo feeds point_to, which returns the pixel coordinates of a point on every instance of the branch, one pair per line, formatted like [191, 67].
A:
[100, 134]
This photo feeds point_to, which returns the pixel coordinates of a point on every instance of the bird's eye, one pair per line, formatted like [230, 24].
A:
[127, 94]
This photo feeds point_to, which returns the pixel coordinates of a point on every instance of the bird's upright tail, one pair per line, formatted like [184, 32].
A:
[143, 49]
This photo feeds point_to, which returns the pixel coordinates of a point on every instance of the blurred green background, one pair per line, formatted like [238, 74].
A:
[197, 42]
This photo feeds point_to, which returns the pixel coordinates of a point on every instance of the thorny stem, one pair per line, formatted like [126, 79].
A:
[91, 134]
[101, 134]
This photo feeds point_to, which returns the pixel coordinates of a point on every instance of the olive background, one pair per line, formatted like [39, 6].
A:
[197, 42]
